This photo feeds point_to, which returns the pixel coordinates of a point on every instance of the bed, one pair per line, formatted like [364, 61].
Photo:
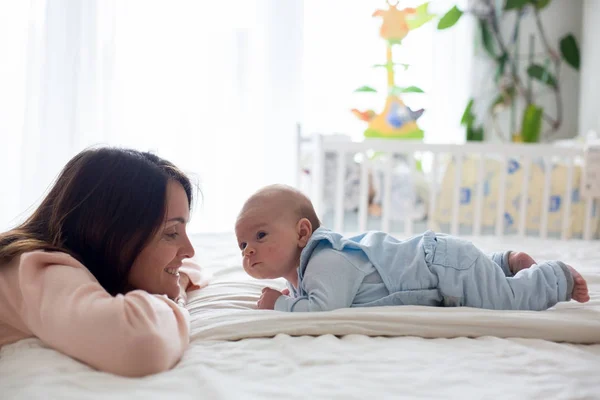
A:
[237, 351]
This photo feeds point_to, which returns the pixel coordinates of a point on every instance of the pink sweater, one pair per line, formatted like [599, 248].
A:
[54, 297]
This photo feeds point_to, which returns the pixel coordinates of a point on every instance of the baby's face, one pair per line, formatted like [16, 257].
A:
[269, 244]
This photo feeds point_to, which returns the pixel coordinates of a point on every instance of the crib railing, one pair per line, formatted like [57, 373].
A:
[320, 145]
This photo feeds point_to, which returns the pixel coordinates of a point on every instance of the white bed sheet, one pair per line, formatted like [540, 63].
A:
[217, 366]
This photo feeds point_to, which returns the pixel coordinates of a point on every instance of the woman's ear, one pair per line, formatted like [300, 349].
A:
[304, 231]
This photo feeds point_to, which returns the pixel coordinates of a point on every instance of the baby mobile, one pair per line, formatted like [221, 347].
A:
[396, 120]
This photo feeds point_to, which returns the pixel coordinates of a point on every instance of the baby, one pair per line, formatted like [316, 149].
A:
[280, 236]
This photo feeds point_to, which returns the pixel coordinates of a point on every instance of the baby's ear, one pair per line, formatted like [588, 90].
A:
[304, 231]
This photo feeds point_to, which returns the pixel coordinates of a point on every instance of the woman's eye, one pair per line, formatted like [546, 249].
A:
[261, 235]
[172, 235]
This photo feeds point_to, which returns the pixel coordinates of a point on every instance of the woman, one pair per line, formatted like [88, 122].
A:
[97, 270]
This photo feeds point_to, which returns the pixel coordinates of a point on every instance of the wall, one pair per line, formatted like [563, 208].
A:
[589, 96]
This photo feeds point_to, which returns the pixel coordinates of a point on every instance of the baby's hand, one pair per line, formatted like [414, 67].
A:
[268, 298]
[580, 288]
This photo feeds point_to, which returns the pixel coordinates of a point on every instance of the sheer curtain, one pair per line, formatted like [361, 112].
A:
[208, 85]
[13, 39]
[216, 87]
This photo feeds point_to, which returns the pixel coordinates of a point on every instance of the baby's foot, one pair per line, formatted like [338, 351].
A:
[580, 289]
[518, 261]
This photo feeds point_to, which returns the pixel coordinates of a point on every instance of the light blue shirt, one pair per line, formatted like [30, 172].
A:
[367, 270]
[335, 279]
[376, 269]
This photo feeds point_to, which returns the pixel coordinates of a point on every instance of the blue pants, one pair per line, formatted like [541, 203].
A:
[468, 277]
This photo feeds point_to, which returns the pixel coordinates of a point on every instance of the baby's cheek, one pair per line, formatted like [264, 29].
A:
[273, 252]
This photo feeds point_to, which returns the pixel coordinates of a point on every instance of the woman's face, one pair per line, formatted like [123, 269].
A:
[156, 268]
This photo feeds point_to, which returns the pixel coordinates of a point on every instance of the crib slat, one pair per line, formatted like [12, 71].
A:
[338, 221]
[524, 195]
[587, 230]
[456, 194]
[364, 194]
[501, 196]
[566, 221]
[546, 198]
[386, 212]
[408, 224]
[479, 196]
[432, 193]
[318, 172]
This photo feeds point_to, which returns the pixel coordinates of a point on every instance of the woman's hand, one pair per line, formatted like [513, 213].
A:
[184, 282]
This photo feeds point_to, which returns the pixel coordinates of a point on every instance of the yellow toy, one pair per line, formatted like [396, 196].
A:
[397, 120]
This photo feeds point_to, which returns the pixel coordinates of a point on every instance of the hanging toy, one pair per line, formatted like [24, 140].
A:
[396, 120]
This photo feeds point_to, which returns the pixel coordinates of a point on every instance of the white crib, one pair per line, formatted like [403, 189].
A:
[540, 165]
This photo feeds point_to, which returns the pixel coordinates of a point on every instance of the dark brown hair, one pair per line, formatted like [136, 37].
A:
[105, 206]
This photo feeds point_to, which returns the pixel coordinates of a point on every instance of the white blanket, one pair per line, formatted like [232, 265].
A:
[269, 363]
[567, 322]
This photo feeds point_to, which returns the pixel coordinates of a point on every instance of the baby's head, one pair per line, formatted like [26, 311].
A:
[272, 229]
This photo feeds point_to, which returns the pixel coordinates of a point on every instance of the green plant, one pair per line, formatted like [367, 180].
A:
[513, 82]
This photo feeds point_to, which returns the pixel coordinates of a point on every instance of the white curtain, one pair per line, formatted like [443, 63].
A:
[211, 86]
[216, 87]
[13, 51]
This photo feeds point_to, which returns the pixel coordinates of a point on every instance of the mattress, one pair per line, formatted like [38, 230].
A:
[410, 352]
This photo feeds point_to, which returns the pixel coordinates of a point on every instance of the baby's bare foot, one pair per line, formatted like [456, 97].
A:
[580, 289]
[518, 261]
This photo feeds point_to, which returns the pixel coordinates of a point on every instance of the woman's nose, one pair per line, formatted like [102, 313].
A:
[187, 250]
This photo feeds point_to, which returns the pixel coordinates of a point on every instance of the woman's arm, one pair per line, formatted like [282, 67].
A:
[135, 334]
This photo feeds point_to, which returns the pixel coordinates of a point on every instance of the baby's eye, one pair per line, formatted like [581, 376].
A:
[261, 235]
[242, 246]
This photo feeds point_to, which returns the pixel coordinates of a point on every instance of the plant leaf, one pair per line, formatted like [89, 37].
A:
[570, 51]
[539, 4]
[468, 118]
[450, 18]
[532, 124]
[475, 134]
[515, 4]
[422, 16]
[365, 89]
[396, 90]
[498, 104]
[502, 60]
[503, 100]
[487, 39]
[542, 74]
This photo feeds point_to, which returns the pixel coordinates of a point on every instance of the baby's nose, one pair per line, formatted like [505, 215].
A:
[248, 251]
